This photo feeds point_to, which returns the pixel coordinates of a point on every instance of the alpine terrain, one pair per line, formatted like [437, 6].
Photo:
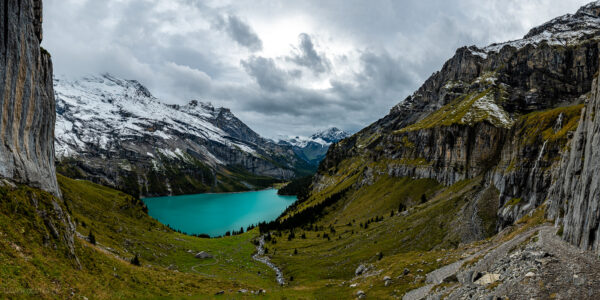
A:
[467, 187]
[114, 132]
[313, 149]
[483, 184]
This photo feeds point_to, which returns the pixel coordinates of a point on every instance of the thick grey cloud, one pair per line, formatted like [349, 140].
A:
[240, 32]
[307, 56]
[283, 67]
[266, 73]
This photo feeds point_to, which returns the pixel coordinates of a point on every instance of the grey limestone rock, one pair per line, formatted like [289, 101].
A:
[27, 106]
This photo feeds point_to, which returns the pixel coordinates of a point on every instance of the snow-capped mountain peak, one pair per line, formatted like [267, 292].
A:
[323, 137]
[313, 149]
[111, 126]
[96, 109]
[330, 135]
[563, 30]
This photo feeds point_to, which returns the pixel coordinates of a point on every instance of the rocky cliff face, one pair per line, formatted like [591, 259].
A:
[27, 112]
[114, 132]
[501, 114]
[575, 196]
[27, 98]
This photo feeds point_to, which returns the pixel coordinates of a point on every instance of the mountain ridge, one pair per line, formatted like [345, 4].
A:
[313, 148]
[115, 132]
[505, 117]
[472, 188]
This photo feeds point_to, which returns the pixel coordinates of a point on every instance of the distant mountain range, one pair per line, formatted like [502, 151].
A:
[314, 148]
[115, 132]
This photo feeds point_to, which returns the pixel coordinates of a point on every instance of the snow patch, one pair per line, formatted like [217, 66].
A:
[486, 108]
[96, 111]
[561, 31]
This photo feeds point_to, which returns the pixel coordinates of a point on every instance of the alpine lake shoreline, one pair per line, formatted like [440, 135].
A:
[265, 205]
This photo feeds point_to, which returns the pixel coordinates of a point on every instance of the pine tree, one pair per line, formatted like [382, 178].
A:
[92, 238]
[135, 261]
[401, 207]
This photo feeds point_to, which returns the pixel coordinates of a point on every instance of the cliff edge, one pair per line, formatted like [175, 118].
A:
[27, 106]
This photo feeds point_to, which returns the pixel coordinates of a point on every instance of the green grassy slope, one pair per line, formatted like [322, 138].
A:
[439, 224]
[420, 239]
[322, 257]
[34, 264]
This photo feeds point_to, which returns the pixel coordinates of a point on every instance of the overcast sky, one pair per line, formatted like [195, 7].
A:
[283, 67]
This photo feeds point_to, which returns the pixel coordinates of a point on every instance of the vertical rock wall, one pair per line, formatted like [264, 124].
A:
[575, 196]
[27, 108]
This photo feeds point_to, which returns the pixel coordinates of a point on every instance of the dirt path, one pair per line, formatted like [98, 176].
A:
[566, 273]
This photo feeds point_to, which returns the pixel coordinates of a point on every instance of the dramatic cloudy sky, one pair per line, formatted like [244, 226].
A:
[283, 67]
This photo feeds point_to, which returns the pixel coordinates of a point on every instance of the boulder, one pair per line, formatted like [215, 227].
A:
[203, 255]
[578, 280]
[488, 279]
[530, 274]
[361, 269]
[387, 280]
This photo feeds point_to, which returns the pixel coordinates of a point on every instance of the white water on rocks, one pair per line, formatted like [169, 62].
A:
[260, 257]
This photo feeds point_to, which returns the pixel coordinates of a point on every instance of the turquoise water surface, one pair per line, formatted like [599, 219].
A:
[215, 214]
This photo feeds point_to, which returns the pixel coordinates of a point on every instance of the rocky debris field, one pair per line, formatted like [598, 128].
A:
[536, 264]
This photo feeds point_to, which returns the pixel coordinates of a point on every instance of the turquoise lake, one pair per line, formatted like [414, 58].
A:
[215, 214]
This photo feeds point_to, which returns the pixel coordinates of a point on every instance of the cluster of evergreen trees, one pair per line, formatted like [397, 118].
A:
[136, 201]
[371, 220]
[234, 232]
[206, 236]
[306, 216]
[299, 187]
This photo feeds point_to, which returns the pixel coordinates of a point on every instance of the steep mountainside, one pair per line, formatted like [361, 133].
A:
[27, 99]
[114, 132]
[27, 134]
[575, 195]
[314, 148]
[452, 195]
[504, 112]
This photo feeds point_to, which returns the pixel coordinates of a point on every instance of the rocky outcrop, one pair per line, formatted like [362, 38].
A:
[446, 154]
[27, 98]
[503, 113]
[27, 111]
[575, 196]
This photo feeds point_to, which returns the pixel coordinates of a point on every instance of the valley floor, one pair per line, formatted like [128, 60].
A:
[402, 255]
